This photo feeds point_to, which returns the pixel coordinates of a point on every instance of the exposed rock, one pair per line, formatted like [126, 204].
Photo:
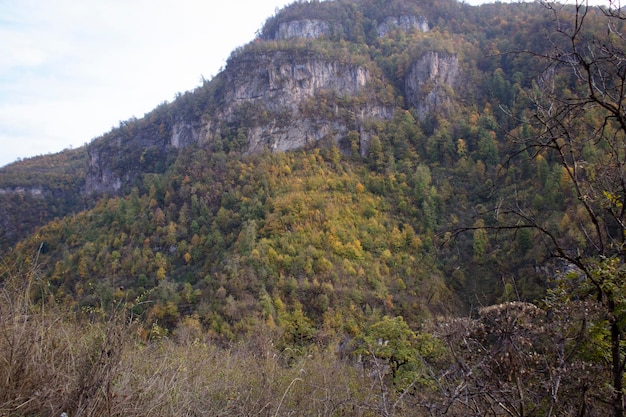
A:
[282, 79]
[404, 23]
[277, 87]
[122, 156]
[185, 134]
[36, 192]
[278, 100]
[100, 177]
[304, 29]
[431, 81]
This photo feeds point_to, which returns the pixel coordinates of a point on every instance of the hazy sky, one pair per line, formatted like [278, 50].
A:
[72, 69]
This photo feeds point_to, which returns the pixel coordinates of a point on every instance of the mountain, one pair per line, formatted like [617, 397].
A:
[327, 166]
[323, 166]
[36, 190]
[377, 207]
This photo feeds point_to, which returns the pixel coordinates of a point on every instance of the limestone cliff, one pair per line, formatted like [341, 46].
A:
[36, 192]
[123, 155]
[304, 29]
[281, 93]
[277, 100]
[430, 83]
[404, 23]
[278, 93]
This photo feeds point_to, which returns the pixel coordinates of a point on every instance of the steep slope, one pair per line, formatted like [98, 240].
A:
[302, 81]
[36, 190]
[378, 208]
[234, 239]
[391, 117]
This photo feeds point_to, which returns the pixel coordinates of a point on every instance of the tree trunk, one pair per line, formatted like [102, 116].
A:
[618, 399]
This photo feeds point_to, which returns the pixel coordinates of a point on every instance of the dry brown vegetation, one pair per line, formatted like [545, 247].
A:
[96, 364]
[515, 359]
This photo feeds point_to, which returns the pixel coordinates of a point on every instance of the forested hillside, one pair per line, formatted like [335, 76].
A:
[426, 196]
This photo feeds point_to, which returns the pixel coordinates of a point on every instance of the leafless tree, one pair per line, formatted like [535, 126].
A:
[579, 122]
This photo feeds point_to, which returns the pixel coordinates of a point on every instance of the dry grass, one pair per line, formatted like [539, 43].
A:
[49, 360]
[52, 361]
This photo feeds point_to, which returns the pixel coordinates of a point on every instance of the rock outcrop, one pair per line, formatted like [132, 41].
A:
[303, 29]
[285, 92]
[274, 100]
[404, 23]
[282, 79]
[36, 192]
[126, 153]
[186, 133]
[430, 83]
[100, 176]
[275, 97]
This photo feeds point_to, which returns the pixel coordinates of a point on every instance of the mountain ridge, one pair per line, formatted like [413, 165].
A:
[437, 216]
[277, 83]
[385, 110]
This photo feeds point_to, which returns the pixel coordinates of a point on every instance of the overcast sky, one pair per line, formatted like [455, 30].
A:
[72, 69]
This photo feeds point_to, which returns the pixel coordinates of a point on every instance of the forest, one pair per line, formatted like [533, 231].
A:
[464, 260]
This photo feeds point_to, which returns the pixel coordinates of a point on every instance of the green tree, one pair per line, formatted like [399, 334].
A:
[376, 155]
[488, 148]
[481, 240]
[391, 341]
[298, 330]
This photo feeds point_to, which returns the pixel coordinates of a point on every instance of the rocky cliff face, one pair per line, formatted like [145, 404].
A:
[100, 176]
[36, 192]
[315, 28]
[124, 154]
[185, 133]
[277, 101]
[273, 98]
[430, 82]
[304, 29]
[404, 23]
[279, 89]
